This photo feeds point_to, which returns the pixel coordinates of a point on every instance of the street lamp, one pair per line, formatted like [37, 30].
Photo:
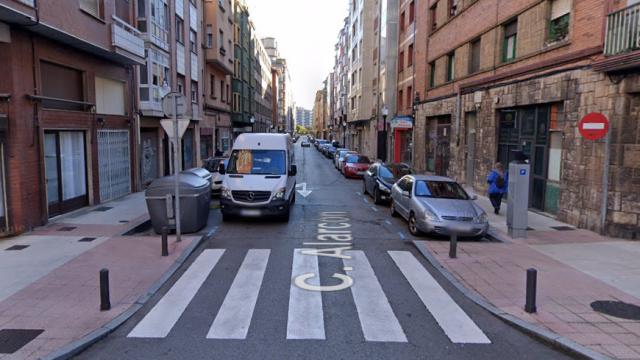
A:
[344, 134]
[253, 122]
[382, 137]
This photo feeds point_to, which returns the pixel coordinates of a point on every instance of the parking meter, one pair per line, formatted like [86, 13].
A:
[518, 200]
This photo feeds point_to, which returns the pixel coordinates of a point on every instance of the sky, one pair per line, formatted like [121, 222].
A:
[306, 32]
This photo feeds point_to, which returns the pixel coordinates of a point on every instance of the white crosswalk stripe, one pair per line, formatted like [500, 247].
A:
[163, 316]
[305, 319]
[234, 316]
[451, 318]
[376, 316]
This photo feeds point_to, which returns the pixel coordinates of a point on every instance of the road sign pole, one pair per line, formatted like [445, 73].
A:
[176, 165]
[605, 184]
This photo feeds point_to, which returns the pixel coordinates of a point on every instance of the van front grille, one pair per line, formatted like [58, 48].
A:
[251, 196]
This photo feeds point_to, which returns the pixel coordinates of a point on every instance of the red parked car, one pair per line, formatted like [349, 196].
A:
[355, 166]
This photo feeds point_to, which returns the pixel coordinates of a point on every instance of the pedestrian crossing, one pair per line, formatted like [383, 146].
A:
[306, 314]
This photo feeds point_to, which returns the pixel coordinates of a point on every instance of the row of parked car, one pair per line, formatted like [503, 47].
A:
[431, 204]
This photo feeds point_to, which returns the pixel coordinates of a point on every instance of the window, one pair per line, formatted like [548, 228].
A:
[451, 66]
[209, 36]
[402, 16]
[453, 8]
[212, 86]
[509, 44]
[221, 35]
[93, 7]
[409, 97]
[181, 84]
[228, 94]
[412, 12]
[432, 74]
[222, 95]
[433, 15]
[194, 92]
[410, 56]
[179, 30]
[109, 96]
[474, 56]
[401, 61]
[400, 99]
[193, 41]
[61, 82]
[236, 102]
[559, 20]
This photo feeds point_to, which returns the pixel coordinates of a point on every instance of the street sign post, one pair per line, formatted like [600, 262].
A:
[173, 105]
[594, 126]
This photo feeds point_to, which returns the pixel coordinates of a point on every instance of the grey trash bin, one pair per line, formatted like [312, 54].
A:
[195, 194]
[203, 173]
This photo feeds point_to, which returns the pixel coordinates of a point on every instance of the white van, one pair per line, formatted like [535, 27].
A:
[260, 178]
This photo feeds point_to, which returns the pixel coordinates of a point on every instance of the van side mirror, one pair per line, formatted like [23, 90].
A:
[293, 171]
[221, 169]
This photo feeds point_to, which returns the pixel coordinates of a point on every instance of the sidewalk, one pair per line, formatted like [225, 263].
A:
[49, 279]
[575, 268]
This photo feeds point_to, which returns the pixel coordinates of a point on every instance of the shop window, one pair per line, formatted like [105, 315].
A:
[61, 82]
[510, 41]
[559, 20]
[110, 96]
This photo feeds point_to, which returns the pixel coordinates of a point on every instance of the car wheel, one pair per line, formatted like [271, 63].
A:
[364, 188]
[376, 197]
[413, 226]
[392, 208]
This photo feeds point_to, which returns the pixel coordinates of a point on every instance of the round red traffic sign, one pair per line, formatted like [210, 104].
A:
[594, 126]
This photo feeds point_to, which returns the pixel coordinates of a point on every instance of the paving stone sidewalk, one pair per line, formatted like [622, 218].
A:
[575, 269]
[53, 283]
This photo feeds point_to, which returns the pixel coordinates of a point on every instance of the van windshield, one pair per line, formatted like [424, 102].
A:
[257, 162]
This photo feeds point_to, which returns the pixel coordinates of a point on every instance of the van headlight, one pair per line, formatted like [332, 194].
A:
[429, 215]
[225, 193]
[280, 194]
[482, 218]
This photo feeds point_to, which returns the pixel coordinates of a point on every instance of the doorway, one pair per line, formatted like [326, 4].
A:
[439, 144]
[65, 171]
[114, 162]
[470, 151]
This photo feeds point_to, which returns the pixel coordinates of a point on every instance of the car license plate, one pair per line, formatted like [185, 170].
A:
[360, 172]
[250, 212]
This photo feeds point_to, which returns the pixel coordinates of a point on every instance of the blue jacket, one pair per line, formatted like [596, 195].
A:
[493, 188]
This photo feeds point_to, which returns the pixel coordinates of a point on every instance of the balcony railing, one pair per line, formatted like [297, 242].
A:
[127, 40]
[623, 31]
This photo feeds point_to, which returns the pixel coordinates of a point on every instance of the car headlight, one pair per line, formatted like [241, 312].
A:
[280, 194]
[483, 218]
[429, 215]
[225, 193]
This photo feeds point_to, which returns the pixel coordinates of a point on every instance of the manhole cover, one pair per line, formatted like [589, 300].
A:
[618, 309]
[17, 247]
[67, 228]
[563, 228]
[102, 208]
[12, 340]
[87, 239]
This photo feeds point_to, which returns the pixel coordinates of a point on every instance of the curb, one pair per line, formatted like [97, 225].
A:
[78, 346]
[534, 330]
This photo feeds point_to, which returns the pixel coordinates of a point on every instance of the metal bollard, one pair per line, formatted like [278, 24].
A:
[530, 305]
[105, 303]
[453, 246]
[165, 245]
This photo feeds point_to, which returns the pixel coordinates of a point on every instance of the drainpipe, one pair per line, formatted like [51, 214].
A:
[605, 184]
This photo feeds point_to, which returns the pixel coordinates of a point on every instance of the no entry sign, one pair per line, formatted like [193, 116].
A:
[594, 126]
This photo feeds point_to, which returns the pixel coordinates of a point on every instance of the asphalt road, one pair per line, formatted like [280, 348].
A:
[234, 298]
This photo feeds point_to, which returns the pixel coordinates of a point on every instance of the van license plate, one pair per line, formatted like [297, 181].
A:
[250, 212]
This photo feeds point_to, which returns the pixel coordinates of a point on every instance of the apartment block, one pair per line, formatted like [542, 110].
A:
[284, 112]
[68, 107]
[262, 86]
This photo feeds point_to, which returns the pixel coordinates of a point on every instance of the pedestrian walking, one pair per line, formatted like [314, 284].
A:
[498, 185]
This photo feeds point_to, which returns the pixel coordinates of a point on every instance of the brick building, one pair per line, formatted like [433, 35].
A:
[519, 75]
[67, 107]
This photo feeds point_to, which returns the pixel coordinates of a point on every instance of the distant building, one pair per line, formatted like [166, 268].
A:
[304, 117]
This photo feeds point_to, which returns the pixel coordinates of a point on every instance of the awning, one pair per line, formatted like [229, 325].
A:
[402, 122]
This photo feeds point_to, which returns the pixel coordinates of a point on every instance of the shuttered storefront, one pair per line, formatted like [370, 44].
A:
[114, 160]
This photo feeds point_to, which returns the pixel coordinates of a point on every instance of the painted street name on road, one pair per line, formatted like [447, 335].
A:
[334, 231]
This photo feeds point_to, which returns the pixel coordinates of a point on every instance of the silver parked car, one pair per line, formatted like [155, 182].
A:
[338, 159]
[437, 205]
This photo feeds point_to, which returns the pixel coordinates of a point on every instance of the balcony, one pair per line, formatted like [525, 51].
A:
[126, 40]
[622, 41]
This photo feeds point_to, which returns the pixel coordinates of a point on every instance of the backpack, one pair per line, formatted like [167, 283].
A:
[500, 182]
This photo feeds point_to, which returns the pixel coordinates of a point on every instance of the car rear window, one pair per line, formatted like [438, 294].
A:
[358, 159]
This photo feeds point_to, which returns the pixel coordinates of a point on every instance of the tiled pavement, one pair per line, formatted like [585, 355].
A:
[575, 268]
[61, 296]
